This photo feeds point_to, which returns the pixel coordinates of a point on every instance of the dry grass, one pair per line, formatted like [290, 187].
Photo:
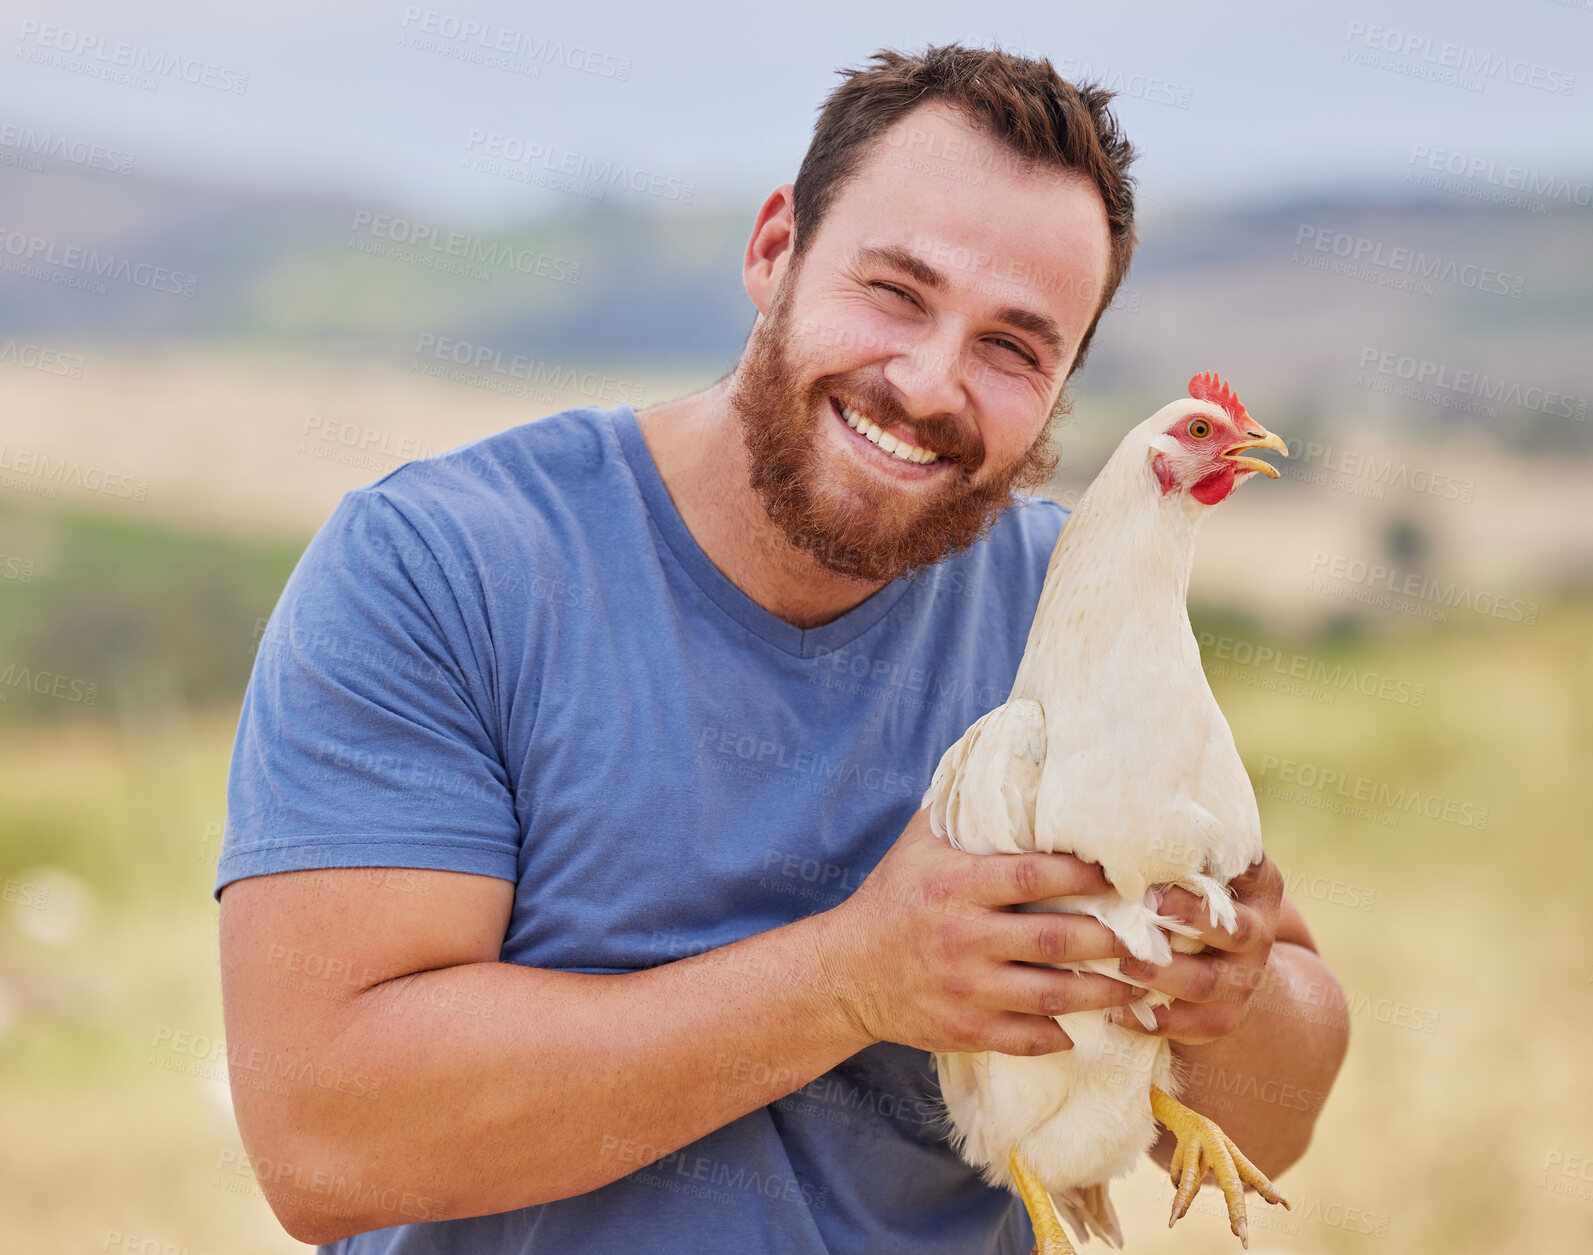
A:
[256, 442]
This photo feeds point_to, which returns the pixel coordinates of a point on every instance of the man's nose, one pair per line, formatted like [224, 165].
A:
[929, 377]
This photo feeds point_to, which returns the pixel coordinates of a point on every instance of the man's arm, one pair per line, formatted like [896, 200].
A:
[1260, 1025]
[387, 1068]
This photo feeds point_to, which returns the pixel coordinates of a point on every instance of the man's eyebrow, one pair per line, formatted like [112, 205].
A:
[1041, 326]
[903, 259]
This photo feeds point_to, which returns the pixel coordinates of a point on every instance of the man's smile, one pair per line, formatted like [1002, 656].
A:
[907, 460]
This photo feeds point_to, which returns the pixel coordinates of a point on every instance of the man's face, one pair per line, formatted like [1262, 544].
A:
[942, 300]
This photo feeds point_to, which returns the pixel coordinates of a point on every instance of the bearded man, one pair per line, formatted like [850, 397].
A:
[574, 895]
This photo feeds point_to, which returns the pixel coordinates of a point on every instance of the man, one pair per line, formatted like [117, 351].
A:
[574, 897]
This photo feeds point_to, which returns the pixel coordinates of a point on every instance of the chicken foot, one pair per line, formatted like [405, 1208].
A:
[1202, 1145]
[1049, 1236]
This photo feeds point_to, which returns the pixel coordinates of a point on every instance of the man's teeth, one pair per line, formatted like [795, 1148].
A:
[896, 448]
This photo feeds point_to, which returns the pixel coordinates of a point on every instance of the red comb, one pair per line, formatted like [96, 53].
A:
[1209, 387]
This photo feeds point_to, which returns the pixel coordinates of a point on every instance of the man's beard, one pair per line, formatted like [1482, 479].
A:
[863, 529]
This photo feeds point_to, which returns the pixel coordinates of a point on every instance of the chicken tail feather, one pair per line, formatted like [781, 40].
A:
[1089, 1212]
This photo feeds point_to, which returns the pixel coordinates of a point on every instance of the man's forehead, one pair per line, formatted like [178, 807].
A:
[940, 130]
[1022, 236]
[938, 143]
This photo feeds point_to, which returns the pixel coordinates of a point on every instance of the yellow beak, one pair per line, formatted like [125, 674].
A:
[1257, 438]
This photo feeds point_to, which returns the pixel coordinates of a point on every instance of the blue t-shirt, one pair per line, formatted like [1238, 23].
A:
[514, 660]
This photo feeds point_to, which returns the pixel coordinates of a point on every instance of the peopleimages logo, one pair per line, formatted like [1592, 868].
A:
[499, 47]
[118, 60]
[1287, 664]
[1458, 65]
[80, 266]
[454, 252]
[86, 154]
[1379, 473]
[1536, 188]
[48, 684]
[46, 475]
[476, 364]
[551, 159]
[42, 358]
[769, 756]
[1416, 588]
[1418, 267]
[1424, 375]
[1380, 795]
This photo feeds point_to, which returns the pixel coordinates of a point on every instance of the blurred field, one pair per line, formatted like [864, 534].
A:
[1342, 241]
[1461, 943]
[254, 441]
[113, 1112]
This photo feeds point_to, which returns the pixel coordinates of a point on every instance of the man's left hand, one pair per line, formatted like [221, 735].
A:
[1212, 989]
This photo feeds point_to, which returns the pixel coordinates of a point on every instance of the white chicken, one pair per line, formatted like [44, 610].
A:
[1111, 747]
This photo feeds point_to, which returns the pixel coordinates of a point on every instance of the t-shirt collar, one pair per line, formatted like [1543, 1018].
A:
[804, 643]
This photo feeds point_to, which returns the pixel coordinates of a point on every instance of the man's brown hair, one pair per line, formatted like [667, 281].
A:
[1042, 118]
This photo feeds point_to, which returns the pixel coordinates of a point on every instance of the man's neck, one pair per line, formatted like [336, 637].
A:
[697, 446]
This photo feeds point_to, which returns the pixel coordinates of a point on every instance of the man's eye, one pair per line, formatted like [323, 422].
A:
[1016, 348]
[891, 287]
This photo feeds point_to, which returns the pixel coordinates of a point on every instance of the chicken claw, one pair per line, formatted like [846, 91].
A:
[1049, 1236]
[1202, 1145]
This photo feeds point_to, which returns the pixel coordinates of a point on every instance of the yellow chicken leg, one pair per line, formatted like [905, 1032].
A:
[1049, 1236]
[1202, 1145]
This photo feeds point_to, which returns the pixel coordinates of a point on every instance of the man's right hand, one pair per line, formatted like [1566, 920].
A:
[931, 955]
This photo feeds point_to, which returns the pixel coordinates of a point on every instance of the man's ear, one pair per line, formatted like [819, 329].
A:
[769, 249]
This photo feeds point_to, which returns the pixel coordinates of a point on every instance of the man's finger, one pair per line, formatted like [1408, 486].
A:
[1007, 879]
[1040, 991]
[1261, 881]
[1047, 937]
[1188, 1022]
[1015, 1034]
[1181, 904]
[1194, 977]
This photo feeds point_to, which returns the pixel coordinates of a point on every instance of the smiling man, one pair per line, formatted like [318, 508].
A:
[642, 706]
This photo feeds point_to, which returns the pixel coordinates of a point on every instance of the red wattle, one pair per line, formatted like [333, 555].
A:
[1214, 487]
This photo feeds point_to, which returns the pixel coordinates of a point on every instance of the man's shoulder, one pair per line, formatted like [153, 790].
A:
[539, 466]
[1037, 520]
[524, 488]
[1003, 573]
[1026, 533]
[487, 519]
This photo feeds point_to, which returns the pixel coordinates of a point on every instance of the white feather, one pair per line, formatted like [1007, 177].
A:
[1112, 747]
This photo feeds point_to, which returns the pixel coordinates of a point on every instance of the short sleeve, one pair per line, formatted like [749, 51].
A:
[365, 738]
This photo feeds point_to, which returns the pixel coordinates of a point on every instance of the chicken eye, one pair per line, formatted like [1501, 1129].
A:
[1200, 429]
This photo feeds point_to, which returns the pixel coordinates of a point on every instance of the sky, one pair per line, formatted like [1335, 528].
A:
[486, 110]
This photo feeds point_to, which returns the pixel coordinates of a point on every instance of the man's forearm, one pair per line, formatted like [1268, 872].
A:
[1266, 1081]
[499, 1086]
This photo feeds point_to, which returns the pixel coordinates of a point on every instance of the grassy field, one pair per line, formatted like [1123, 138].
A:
[1461, 942]
[248, 441]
